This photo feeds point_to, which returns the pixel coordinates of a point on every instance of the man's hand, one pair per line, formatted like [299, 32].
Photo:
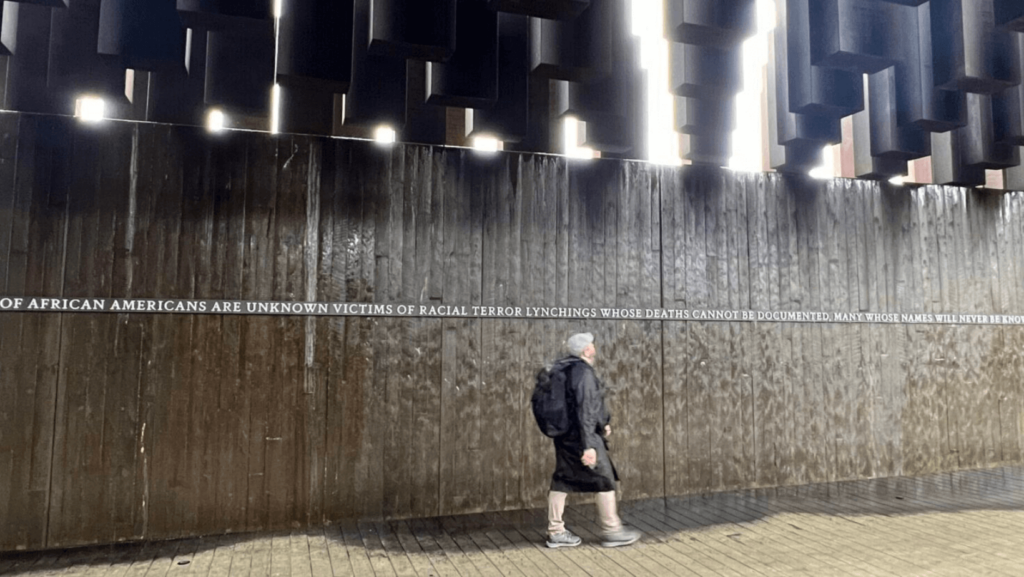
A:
[590, 458]
[607, 430]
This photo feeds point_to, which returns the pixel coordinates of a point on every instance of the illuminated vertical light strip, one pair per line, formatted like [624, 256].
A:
[275, 109]
[275, 91]
[188, 50]
[746, 137]
[569, 125]
[648, 24]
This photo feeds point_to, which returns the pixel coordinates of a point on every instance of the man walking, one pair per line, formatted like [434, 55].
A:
[582, 464]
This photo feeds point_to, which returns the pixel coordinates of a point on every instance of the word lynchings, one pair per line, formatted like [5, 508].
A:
[437, 310]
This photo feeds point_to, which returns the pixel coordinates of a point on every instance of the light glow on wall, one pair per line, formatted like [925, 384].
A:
[90, 108]
[827, 167]
[571, 134]
[648, 23]
[747, 136]
[215, 120]
[663, 140]
[384, 135]
[486, 144]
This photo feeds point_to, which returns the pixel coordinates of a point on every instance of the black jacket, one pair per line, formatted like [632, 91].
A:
[589, 418]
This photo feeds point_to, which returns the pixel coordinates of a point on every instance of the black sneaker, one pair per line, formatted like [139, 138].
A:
[563, 539]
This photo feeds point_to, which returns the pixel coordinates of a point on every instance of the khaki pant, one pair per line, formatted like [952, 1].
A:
[607, 511]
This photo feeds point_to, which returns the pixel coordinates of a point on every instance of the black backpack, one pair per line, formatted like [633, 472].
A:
[549, 401]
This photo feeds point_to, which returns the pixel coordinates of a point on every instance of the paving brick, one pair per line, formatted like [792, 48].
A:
[963, 523]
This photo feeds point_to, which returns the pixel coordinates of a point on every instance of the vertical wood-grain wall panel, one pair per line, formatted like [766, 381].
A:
[146, 426]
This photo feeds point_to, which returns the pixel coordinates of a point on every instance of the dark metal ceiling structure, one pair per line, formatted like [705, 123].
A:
[436, 71]
[939, 78]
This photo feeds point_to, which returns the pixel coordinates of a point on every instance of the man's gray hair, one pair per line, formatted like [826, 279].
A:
[578, 342]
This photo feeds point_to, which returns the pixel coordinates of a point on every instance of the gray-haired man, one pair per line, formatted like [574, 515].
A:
[582, 464]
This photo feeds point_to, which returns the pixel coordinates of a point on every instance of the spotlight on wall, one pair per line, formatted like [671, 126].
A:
[486, 144]
[898, 180]
[384, 135]
[90, 108]
[827, 167]
[215, 120]
[571, 129]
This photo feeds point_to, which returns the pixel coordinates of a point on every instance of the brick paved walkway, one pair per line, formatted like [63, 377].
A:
[968, 523]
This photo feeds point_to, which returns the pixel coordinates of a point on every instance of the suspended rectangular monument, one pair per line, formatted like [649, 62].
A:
[377, 92]
[948, 162]
[469, 79]
[225, 14]
[705, 72]
[979, 145]
[1008, 114]
[851, 34]
[612, 109]
[140, 34]
[866, 164]
[795, 140]
[551, 9]
[416, 29]
[1009, 14]
[969, 52]
[707, 117]
[888, 138]
[881, 149]
[714, 23]
[315, 45]
[918, 101]
[704, 149]
[176, 96]
[304, 111]
[49, 3]
[425, 123]
[578, 50]
[25, 33]
[792, 126]
[508, 119]
[814, 89]
[541, 134]
[75, 68]
[240, 70]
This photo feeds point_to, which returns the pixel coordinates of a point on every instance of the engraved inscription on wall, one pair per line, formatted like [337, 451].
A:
[279, 308]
